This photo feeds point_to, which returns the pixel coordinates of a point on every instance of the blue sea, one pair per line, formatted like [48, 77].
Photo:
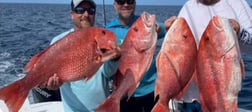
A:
[26, 29]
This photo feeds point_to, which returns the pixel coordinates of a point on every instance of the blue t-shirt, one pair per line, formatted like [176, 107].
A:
[83, 95]
[147, 83]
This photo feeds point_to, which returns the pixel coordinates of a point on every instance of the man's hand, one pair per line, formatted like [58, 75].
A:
[53, 83]
[235, 25]
[168, 22]
[158, 29]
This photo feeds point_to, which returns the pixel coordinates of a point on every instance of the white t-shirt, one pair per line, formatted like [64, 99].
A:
[198, 16]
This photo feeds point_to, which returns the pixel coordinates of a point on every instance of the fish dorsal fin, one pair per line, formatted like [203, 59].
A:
[33, 60]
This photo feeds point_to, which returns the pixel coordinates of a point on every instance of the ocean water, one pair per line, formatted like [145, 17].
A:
[26, 29]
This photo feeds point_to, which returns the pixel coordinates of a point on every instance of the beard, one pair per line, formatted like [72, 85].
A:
[126, 16]
[208, 2]
[83, 23]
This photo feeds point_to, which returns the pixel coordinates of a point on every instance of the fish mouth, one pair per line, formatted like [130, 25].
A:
[109, 54]
[149, 19]
[217, 23]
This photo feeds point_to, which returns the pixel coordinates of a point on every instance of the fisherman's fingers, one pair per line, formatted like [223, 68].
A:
[53, 83]
[168, 22]
[235, 25]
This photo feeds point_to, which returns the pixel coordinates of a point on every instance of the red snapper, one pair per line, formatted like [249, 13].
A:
[220, 67]
[175, 63]
[136, 56]
[76, 56]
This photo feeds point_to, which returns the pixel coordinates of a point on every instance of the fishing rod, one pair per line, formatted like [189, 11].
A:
[104, 14]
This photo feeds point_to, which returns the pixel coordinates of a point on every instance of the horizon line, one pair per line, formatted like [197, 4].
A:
[97, 4]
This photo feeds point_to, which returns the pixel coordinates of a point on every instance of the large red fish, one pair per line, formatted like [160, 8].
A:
[220, 67]
[175, 63]
[76, 56]
[136, 55]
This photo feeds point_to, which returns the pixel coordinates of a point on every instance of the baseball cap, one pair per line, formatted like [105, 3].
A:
[75, 3]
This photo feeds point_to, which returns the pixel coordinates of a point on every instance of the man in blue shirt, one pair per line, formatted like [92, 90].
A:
[143, 97]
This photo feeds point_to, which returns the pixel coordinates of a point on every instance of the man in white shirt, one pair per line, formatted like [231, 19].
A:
[198, 13]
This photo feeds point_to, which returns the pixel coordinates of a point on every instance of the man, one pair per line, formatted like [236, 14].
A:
[198, 14]
[82, 95]
[143, 97]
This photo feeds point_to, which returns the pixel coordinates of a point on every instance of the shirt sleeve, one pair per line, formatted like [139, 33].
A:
[58, 37]
[244, 16]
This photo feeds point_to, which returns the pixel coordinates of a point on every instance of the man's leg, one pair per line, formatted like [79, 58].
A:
[131, 105]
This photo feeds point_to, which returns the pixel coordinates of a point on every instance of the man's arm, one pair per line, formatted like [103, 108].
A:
[162, 28]
[244, 16]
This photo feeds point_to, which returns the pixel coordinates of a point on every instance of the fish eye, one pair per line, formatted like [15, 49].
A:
[184, 36]
[135, 29]
[103, 50]
[207, 38]
[103, 32]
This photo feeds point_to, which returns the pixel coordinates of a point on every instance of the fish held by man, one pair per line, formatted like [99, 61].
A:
[76, 56]
[175, 63]
[136, 56]
[220, 67]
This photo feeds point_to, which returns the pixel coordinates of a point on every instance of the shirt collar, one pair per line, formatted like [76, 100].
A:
[116, 22]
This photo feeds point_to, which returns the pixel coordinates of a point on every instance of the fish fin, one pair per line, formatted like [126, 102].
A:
[242, 68]
[158, 60]
[99, 59]
[159, 107]
[117, 80]
[129, 77]
[131, 91]
[33, 60]
[109, 105]
[14, 95]
[156, 91]
[203, 104]
[182, 92]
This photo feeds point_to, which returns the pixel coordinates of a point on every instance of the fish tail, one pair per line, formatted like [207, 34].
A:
[14, 95]
[109, 105]
[159, 107]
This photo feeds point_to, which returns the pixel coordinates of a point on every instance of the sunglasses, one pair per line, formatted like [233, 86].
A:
[81, 10]
[122, 2]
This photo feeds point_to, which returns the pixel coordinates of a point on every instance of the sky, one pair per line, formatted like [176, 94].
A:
[139, 2]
